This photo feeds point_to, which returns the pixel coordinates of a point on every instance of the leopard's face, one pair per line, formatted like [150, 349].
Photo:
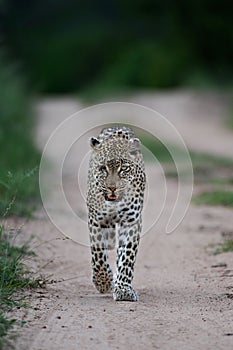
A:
[113, 177]
[116, 170]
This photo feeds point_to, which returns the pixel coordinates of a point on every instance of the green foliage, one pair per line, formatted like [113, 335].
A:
[217, 171]
[19, 158]
[229, 120]
[211, 168]
[160, 150]
[226, 246]
[222, 180]
[18, 187]
[14, 278]
[207, 168]
[202, 162]
[19, 193]
[6, 326]
[13, 273]
[111, 45]
[157, 148]
[209, 160]
[215, 197]
[145, 65]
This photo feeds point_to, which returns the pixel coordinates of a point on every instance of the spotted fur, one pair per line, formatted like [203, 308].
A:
[116, 184]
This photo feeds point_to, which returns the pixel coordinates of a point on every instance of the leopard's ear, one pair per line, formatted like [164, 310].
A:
[95, 143]
[135, 146]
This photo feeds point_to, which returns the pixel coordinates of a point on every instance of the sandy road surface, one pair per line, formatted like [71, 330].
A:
[183, 298]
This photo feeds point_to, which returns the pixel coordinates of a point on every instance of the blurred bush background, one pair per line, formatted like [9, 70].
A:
[69, 45]
[97, 47]
[19, 158]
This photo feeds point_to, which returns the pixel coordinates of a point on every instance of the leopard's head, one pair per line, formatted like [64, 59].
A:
[115, 166]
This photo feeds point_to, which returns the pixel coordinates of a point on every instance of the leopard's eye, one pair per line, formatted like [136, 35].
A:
[125, 169]
[103, 169]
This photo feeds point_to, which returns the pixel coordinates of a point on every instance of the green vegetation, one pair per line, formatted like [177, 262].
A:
[19, 190]
[14, 277]
[230, 116]
[156, 147]
[230, 121]
[12, 271]
[208, 160]
[211, 168]
[6, 326]
[224, 198]
[222, 180]
[226, 246]
[19, 157]
[118, 44]
[217, 172]
[208, 169]
[203, 163]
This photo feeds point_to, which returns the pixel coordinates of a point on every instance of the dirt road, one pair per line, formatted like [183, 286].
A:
[184, 292]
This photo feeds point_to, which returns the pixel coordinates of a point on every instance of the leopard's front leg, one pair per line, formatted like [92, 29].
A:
[129, 237]
[102, 275]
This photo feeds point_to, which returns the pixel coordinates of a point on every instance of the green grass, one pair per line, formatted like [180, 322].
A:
[220, 197]
[19, 157]
[229, 117]
[230, 121]
[222, 180]
[226, 246]
[201, 158]
[6, 326]
[210, 168]
[217, 171]
[202, 162]
[158, 149]
[14, 278]
[12, 271]
[19, 190]
[207, 168]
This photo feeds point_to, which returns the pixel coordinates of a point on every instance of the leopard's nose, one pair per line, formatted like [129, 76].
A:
[112, 188]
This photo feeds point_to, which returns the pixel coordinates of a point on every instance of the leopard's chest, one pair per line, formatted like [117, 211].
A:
[125, 211]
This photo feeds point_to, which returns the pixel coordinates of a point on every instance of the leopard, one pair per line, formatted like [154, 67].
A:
[115, 195]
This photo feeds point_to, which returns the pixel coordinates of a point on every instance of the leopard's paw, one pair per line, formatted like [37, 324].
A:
[124, 293]
[103, 281]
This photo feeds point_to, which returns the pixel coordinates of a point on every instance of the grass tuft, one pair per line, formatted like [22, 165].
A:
[19, 192]
[14, 278]
[226, 246]
[14, 275]
[224, 198]
[6, 326]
